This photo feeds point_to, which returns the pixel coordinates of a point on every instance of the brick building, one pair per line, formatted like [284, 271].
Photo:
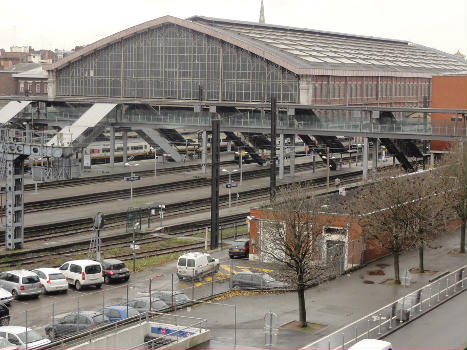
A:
[340, 231]
[449, 91]
[8, 59]
[27, 75]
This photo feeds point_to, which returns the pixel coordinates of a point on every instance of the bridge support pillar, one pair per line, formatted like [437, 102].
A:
[292, 155]
[281, 156]
[204, 151]
[112, 146]
[375, 155]
[365, 159]
[125, 146]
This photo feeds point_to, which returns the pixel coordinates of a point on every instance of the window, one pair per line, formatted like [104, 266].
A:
[191, 263]
[92, 269]
[29, 87]
[30, 279]
[56, 276]
[75, 268]
[21, 86]
[69, 319]
[83, 320]
[46, 87]
[38, 88]
[64, 267]
[182, 262]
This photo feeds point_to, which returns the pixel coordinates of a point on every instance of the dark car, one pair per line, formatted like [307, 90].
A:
[255, 280]
[240, 248]
[74, 323]
[4, 315]
[114, 270]
[119, 312]
[141, 304]
[179, 298]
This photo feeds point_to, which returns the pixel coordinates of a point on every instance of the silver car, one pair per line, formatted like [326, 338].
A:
[21, 283]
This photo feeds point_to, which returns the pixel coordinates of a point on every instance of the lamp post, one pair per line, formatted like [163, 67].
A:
[230, 183]
[131, 182]
[155, 161]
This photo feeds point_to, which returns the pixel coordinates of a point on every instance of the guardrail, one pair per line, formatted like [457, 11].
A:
[396, 314]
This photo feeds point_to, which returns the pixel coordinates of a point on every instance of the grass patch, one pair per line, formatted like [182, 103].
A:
[144, 263]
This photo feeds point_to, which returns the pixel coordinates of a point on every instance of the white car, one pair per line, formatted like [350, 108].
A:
[17, 336]
[196, 265]
[371, 344]
[53, 280]
[81, 273]
[6, 345]
[5, 296]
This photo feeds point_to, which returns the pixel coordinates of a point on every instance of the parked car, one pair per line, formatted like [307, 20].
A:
[196, 265]
[114, 270]
[255, 280]
[4, 315]
[373, 344]
[21, 283]
[17, 335]
[53, 280]
[179, 298]
[119, 312]
[5, 297]
[6, 345]
[74, 323]
[240, 248]
[141, 304]
[81, 273]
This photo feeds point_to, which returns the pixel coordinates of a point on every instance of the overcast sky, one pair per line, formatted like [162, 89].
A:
[62, 24]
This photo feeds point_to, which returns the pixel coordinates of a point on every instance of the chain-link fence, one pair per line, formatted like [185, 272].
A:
[394, 315]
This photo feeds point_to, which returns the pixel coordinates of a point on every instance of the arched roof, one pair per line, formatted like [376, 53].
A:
[304, 51]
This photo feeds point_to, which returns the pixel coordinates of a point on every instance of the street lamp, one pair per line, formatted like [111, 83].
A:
[131, 182]
[230, 183]
[155, 160]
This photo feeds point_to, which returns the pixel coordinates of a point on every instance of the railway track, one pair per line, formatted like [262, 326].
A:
[119, 241]
[115, 177]
[92, 198]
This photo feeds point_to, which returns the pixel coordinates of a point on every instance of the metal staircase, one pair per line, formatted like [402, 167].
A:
[239, 143]
[319, 150]
[391, 147]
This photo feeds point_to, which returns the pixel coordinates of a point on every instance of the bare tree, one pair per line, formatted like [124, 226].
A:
[428, 208]
[294, 239]
[454, 170]
[385, 216]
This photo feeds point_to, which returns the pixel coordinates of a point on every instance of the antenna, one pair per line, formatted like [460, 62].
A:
[261, 13]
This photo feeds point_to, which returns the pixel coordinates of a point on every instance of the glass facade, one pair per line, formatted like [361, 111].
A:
[173, 62]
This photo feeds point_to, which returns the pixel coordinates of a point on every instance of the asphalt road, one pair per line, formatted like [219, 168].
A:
[443, 328]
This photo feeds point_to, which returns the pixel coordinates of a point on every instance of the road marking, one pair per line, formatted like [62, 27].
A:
[245, 268]
[227, 268]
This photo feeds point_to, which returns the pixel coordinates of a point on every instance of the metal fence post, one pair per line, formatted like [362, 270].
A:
[193, 285]
[447, 285]
[212, 283]
[78, 311]
[431, 293]
[26, 316]
[379, 326]
[462, 278]
[329, 343]
[172, 294]
[343, 341]
[103, 305]
[356, 334]
[230, 274]
[368, 331]
[127, 291]
[390, 320]
[53, 314]
[235, 321]
[220, 233]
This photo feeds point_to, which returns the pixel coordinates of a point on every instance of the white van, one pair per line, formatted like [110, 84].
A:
[196, 265]
[81, 273]
[371, 344]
